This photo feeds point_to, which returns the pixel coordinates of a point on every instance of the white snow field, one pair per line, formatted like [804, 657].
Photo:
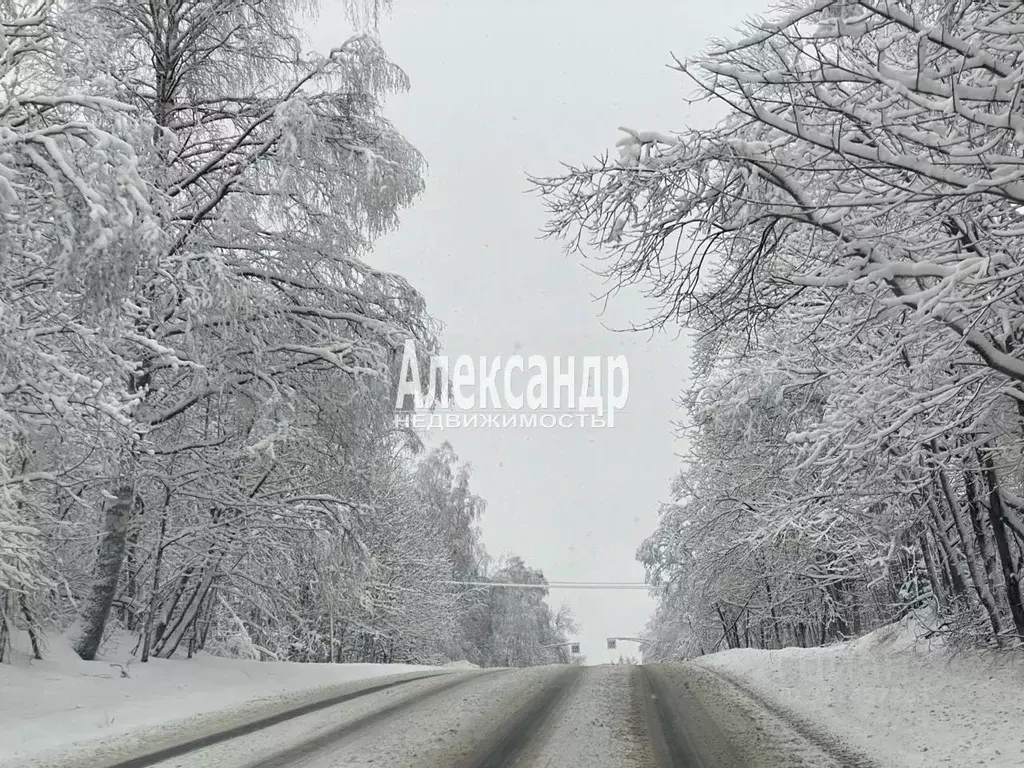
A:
[895, 696]
[62, 704]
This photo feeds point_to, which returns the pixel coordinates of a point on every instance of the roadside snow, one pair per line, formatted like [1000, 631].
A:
[461, 665]
[729, 728]
[895, 697]
[63, 703]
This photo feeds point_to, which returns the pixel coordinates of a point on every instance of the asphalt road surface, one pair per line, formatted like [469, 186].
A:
[656, 716]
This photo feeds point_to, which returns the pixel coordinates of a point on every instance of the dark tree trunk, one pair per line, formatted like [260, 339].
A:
[981, 585]
[995, 510]
[952, 561]
[938, 587]
[92, 618]
[772, 612]
[5, 601]
[979, 512]
[176, 630]
[801, 634]
[154, 596]
[166, 614]
[30, 624]
[726, 635]
[128, 612]
[207, 619]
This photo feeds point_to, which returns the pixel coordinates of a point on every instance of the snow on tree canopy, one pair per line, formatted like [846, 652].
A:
[845, 245]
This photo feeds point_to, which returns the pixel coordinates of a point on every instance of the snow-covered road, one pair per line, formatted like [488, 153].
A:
[598, 717]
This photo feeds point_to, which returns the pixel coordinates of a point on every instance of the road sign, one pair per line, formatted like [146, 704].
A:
[575, 648]
[611, 643]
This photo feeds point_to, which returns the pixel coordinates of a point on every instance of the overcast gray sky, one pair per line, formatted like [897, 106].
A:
[500, 89]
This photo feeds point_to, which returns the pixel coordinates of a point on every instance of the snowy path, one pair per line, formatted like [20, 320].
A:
[543, 717]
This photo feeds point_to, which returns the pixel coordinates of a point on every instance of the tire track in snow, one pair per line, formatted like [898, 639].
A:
[680, 732]
[211, 739]
[484, 724]
[844, 756]
[504, 747]
[296, 754]
[599, 725]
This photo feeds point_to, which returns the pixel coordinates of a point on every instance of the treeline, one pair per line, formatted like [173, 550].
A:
[847, 244]
[198, 366]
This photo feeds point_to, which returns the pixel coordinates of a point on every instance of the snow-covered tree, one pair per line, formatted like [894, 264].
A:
[522, 629]
[271, 172]
[846, 242]
[199, 368]
[76, 220]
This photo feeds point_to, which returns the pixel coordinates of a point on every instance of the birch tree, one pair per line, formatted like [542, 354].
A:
[271, 172]
[198, 380]
[76, 219]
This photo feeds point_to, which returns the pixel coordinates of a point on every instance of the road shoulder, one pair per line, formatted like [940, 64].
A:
[704, 714]
[179, 736]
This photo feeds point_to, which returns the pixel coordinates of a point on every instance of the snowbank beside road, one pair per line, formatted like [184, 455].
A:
[894, 697]
[63, 703]
[461, 665]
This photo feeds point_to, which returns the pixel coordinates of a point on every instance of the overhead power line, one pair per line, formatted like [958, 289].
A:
[553, 585]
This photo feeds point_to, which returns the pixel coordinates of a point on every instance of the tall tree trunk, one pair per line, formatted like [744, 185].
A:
[154, 597]
[995, 510]
[330, 643]
[938, 587]
[5, 632]
[30, 624]
[981, 584]
[207, 620]
[92, 618]
[166, 614]
[952, 559]
[856, 609]
[725, 627]
[978, 511]
[176, 630]
[128, 613]
[801, 634]
[771, 610]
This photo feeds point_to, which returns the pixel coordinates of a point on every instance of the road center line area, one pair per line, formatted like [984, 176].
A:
[618, 716]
